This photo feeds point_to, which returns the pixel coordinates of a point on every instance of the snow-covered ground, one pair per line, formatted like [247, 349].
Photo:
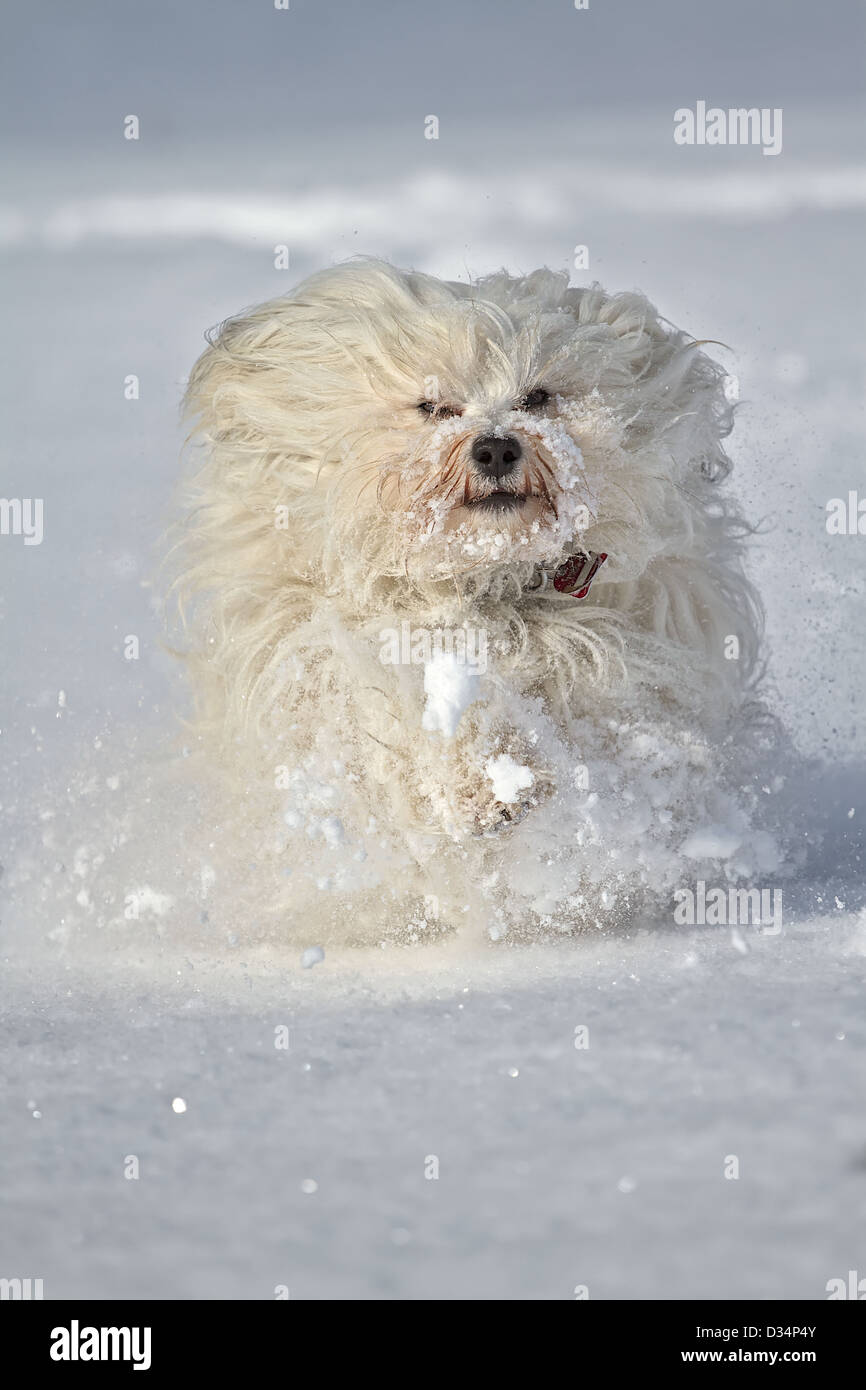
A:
[558, 1165]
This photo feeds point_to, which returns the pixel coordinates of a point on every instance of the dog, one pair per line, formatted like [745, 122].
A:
[401, 474]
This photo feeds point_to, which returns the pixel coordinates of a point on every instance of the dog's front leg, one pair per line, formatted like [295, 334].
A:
[485, 780]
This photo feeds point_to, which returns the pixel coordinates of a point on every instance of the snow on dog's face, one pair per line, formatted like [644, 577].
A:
[469, 444]
[422, 430]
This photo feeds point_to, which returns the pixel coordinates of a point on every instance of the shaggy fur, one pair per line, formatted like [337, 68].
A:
[338, 499]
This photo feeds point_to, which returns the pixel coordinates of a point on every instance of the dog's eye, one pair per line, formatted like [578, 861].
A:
[534, 400]
[438, 412]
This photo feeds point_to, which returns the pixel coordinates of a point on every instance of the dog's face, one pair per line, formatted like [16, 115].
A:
[491, 469]
[431, 429]
[487, 469]
[472, 419]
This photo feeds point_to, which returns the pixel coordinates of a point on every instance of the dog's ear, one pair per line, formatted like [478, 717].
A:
[628, 318]
[237, 528]
[667, 383]
[226, 393]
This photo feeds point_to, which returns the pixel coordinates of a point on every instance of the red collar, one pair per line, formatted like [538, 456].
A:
[575, 576]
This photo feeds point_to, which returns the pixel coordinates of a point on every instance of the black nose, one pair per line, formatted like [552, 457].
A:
[496, 457]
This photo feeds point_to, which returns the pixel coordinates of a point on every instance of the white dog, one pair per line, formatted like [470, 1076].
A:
[471, 597]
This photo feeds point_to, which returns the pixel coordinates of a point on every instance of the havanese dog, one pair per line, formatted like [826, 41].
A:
[468, 617]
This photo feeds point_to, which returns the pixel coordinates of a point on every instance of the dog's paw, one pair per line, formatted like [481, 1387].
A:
[496, 816]
[497, 797]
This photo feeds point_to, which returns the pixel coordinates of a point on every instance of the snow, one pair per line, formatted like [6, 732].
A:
[313, 955]
[306, 220]
[558, 1166]
[696, 1052]
[711, 842]
[450, 686]
[508, 777]
[147, 900]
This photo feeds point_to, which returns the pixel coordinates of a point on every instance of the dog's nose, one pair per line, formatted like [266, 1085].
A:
[495, 457]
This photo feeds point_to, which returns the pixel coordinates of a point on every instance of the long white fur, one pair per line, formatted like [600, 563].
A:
[321, 515]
